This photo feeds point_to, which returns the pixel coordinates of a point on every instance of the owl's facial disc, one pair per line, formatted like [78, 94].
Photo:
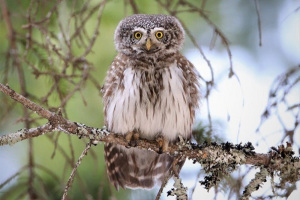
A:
[140, 35]
[148, 41]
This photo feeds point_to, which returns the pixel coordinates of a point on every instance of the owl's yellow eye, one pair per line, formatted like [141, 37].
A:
[138, 35]
[159, 34]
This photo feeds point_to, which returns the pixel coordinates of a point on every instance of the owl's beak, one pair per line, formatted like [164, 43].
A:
[148, 44]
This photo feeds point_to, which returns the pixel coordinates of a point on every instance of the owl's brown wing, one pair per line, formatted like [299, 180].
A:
[113, 79]
[135, 168]
[191, 84]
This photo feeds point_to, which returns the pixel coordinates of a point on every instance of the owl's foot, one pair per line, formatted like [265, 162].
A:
[163, 144]
[132, 138]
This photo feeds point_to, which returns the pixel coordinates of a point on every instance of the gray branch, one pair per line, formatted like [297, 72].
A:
[216, 159]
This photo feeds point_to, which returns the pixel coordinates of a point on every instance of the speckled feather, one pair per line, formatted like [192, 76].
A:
[153, 101]
[154, 92]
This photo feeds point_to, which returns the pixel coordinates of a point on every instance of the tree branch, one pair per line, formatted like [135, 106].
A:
[214, 158]
[26, 102]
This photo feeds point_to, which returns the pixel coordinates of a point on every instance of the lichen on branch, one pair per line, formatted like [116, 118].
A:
[217, 160]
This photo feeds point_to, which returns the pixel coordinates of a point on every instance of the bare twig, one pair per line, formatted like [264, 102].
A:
[71, 178]
[96, 32]
[258, 21]
[5, 15]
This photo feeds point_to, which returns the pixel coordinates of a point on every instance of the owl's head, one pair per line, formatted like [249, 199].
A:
[149, 34]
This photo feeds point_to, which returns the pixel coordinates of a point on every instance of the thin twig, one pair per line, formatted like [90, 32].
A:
[96, 32]
[258, 21]
[69, 183]
[163, 184]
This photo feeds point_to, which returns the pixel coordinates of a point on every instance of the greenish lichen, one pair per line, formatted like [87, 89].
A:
[255, 183]
[222, 160]
[179, 190]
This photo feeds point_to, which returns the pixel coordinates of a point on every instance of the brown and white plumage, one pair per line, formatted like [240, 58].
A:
[152, 89]
[136, 168]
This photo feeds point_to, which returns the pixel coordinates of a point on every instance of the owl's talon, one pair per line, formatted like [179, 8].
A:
[159, 140]
[132, 138]
[136, 136]
[128, 136]
[163, 144]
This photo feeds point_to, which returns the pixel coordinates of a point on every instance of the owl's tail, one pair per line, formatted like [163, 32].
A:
[136, 168]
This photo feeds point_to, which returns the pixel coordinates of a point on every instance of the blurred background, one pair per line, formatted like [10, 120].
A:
[57, 53]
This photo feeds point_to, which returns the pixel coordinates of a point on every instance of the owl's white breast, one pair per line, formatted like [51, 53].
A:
[130, 108]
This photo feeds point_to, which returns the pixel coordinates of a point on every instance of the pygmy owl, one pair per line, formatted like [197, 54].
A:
[150, 90]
